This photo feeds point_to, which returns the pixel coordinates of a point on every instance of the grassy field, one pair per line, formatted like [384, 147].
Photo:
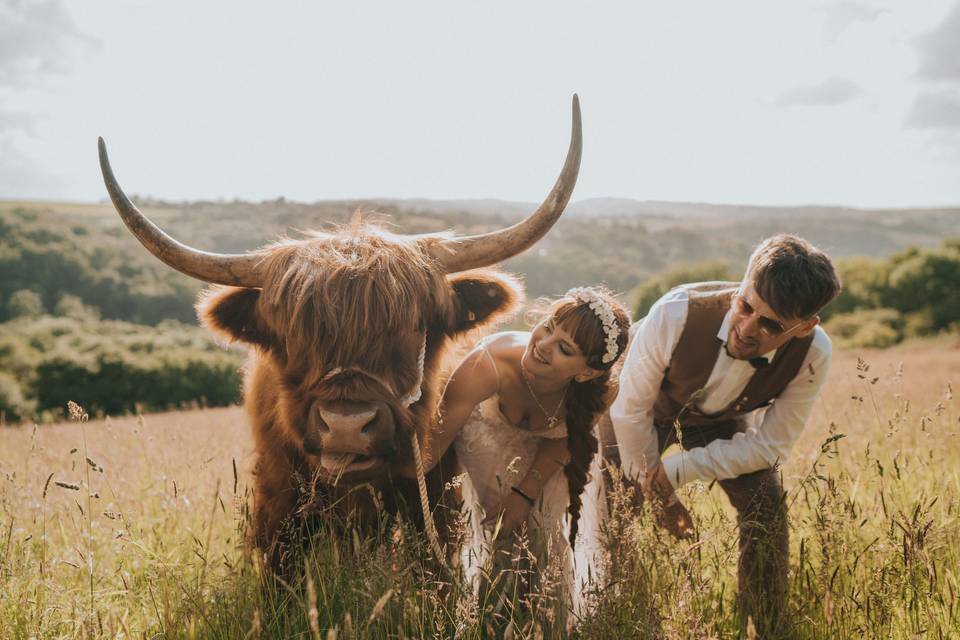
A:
[133, 527]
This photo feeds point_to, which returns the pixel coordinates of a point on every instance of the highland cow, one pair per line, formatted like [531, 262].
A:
[347, 330]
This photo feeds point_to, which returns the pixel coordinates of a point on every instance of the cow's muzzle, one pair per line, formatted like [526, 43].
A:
[355, 439]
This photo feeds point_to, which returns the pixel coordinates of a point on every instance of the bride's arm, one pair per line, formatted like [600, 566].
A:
[473, 381]
[552, 454]
[515, 507]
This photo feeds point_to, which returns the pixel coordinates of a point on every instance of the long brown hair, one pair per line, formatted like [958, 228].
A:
[586, 400]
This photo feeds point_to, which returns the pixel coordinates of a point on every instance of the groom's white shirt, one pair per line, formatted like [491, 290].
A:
[772, 430]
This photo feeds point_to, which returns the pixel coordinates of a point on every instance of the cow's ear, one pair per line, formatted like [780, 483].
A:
[483, 297]
[232, 312]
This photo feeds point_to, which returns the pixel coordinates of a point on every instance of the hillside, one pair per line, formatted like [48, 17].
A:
[617, 241]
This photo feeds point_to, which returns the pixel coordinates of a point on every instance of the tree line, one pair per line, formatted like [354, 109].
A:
[48, 261]
[913, 293]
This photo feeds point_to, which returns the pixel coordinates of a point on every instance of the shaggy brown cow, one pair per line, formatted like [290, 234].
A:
[348, 331]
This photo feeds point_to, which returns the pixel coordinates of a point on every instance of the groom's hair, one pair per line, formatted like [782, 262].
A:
[791, 275]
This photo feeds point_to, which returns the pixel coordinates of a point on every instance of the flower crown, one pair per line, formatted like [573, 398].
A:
[604, 312]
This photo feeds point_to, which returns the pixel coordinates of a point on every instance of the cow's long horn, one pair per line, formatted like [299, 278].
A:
[240, 270]
[471, 252]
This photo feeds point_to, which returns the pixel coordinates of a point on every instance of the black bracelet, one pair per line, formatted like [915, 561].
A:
[520, 492]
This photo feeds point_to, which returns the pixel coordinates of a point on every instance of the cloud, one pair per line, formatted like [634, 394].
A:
[937, 106]
[830, 92]
[37, 38]
[842, 15]
[940, 50]
[939, 109]
[20, 176]
[11, 120]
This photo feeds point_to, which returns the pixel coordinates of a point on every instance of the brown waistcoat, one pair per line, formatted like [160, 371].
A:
[696, 354]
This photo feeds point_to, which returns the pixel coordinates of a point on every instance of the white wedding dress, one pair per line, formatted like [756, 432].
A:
[496, 456]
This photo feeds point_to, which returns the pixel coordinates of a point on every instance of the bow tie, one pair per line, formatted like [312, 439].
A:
[757, 363]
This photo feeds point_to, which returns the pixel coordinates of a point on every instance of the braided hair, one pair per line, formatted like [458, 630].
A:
[586, 400]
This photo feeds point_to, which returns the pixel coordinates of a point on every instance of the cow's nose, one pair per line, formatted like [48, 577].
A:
[368, 432]
[347, 426]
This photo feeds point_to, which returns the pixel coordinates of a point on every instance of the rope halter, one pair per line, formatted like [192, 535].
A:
[412, 396]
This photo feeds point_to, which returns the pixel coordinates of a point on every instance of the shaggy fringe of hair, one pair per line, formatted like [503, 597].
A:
[330, 308]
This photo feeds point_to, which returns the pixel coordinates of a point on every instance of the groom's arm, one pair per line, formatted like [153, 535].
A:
[764, 445]
[651, 348]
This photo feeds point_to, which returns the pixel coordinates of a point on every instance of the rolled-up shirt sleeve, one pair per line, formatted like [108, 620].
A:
[764, 444]
[651, 347]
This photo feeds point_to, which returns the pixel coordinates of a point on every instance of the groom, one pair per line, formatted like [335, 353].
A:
[730, 372]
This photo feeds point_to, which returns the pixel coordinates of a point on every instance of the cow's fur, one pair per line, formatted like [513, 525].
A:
[360, 296]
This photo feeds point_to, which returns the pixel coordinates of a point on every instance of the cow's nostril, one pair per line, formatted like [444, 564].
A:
[347, 425]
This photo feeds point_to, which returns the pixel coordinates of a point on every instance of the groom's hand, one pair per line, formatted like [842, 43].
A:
[671, 514]
[676, 519]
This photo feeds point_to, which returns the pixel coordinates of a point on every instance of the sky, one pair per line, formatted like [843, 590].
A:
[726, 101]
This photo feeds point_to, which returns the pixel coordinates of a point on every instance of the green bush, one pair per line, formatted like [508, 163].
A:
[866, 328]
[864, 285]
[117, 383]
[113, 367]
[919, 324]
[72, 306]
[646, 294]
[927, 280]
[13, 405]
[24, 303]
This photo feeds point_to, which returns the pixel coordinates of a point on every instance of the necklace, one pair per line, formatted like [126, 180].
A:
[552, 419]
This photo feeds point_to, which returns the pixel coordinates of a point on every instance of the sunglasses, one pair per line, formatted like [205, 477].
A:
[768, 326]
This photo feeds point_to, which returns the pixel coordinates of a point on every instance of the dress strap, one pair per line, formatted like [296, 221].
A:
[486, 352]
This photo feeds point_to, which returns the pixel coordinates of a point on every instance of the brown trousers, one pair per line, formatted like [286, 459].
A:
[761, 508]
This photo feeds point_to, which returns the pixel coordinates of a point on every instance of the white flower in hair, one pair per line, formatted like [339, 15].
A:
[604, 312]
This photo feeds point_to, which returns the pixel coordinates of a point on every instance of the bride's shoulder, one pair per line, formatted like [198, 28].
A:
[503, 351]
[506, 340]
[505, 346]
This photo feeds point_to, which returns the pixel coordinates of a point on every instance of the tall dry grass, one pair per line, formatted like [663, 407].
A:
[133, 528]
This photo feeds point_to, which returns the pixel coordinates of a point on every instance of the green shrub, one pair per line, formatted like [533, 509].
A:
[645, 295]
[24, 303]
[864, 285]
[72, 306]
[927, 280]
[115, 367]
[13, 405]
[919, 324]
[866, 328]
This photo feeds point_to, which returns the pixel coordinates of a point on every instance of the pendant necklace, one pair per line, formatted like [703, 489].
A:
[552, 419]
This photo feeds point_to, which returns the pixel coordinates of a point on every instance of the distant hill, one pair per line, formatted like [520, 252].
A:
[68, 271]
[618, 241]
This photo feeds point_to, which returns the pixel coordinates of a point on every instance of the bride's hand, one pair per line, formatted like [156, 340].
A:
[512, 512]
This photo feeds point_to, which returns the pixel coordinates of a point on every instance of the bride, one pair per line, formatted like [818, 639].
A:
[520, 411]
